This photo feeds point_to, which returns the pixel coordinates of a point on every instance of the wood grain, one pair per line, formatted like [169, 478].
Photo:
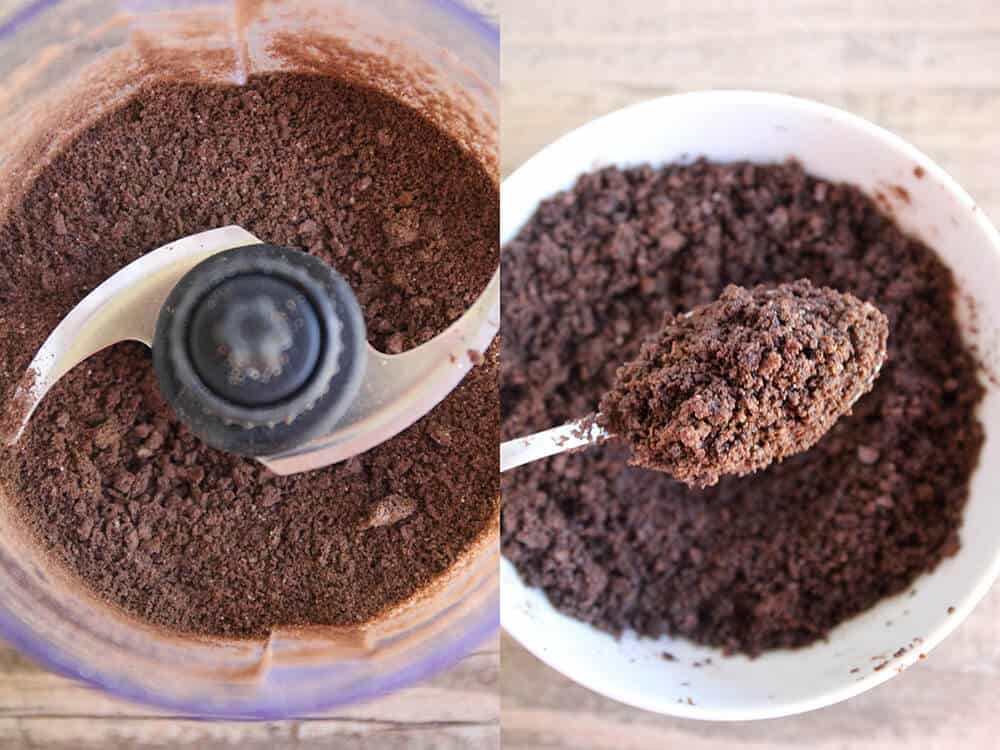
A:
[457, 709]
[922, 68]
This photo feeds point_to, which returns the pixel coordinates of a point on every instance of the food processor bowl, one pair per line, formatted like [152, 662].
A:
[55, 69]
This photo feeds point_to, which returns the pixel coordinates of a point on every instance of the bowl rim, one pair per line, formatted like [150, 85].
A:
[529, 638]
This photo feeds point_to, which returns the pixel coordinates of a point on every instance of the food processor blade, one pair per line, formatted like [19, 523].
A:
[397, 390]
[124, 307]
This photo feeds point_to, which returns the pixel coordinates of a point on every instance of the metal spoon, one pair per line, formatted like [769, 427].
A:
[584, 432]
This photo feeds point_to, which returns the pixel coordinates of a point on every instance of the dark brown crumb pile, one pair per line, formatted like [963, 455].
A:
[776, 558]
[749, 379]
[149, 518]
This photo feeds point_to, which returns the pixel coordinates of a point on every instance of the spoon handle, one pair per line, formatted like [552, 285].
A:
[576, 434]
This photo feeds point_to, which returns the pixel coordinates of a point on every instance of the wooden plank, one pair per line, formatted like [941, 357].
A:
[923, 70]
[459, 708]
[147, 733]
[465, 693]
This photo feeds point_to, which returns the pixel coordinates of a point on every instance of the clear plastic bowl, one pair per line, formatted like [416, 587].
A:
[47, 48]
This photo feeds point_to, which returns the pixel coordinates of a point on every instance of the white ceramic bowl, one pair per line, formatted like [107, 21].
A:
[733, 125]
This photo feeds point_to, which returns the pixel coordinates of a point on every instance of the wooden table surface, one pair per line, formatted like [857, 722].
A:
[457, 710]
[926, 69]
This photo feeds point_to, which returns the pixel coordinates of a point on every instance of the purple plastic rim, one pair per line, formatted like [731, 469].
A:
[19, 635]
[24, 14]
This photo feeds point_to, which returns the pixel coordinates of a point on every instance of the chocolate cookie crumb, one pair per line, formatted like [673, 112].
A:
[390, 510]
[777, 558]
[749, 379]
[117, 490]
